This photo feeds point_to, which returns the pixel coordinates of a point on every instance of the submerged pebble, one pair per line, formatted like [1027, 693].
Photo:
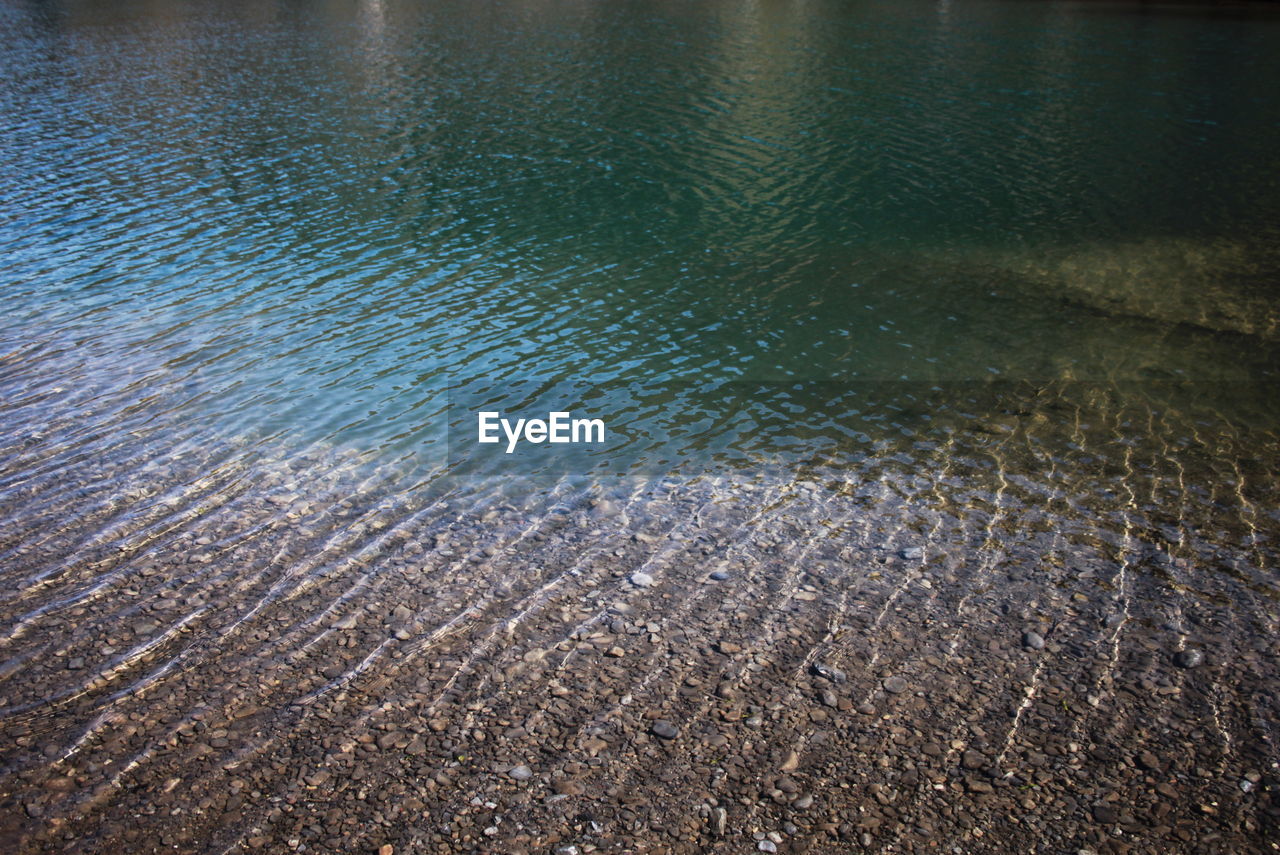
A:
[1189, 658]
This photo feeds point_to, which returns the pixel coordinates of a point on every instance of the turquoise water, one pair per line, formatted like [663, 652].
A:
[352, 224]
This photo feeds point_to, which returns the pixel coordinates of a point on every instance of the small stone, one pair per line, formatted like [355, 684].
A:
[665, 729]
[767, 845]
[1105, 814]
[615, 652]
[386, 849]
[520, 773]
[828, 672]
[641, 580]
[719, 819]
[895, 685]
[1148, 761]
[567, 787]
[1033, 640]
[1189, 658]
[728, 647]
[803, 803]
[912, 553]
[720, 575]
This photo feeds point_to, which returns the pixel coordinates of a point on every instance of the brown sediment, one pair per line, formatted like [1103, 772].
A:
[970, 638]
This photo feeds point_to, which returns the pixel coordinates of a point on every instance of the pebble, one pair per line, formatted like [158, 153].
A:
[720, 575]
[719, 818]
[895, 685]
[828, 672]
[641, 580]
[665, 729]
[767, 845]
[1189, 658]
[520, 773]
[912, 553]
[1033, 640]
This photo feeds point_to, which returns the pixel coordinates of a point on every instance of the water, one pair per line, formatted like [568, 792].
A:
[996, 280]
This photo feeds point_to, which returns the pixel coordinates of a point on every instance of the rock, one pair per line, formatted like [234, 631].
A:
[1105, 814]
[972, 760]
[520, 773]
[803, 803]
[1033, 640]
[767, 845]
[828, 672]
[912, 553]
[1148, 761]
[641, 580]
[567, 787]
[665, 729]
[719, 819]
[1189, 658]
[720, 575]
[728, 647]
[895, 685]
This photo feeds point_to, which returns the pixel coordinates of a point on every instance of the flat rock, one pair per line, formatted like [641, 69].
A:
[665, 729]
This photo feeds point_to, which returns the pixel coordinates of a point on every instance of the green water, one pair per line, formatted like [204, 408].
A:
[354, 224]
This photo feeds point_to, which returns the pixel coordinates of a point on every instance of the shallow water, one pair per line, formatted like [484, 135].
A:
[991, 281]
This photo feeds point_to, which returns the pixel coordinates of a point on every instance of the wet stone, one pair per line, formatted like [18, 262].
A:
[665, 729]
[829, 672]
[1033, 640]
[895, 685]
[1189, 658]
[1105, 814]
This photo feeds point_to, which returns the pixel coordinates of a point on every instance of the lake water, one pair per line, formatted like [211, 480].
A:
[994, 281]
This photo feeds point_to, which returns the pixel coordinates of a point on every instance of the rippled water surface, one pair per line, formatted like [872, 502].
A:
[917, 327]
